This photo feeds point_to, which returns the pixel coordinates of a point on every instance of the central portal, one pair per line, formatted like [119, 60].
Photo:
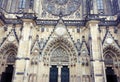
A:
[59, 71]
[60, 54]
[54, 74]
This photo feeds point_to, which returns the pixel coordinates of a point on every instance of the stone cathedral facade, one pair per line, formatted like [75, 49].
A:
[59, 40]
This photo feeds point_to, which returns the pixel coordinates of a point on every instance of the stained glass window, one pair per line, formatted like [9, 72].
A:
[100, 4]
[22, 4]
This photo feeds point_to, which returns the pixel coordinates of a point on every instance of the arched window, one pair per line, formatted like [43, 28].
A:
[31, 3]
[100, 6]
[111, 7]
[115, 6]
[22, 4]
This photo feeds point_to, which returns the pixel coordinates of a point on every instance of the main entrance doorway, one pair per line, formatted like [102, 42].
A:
[54, 74]
[111, 77]
[65, 74]
[110, 60]
[8, 59]
[7, 75]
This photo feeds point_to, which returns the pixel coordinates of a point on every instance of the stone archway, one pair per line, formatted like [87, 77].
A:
[111, 60]
[60, 54]
[8, 56]
[58, 47]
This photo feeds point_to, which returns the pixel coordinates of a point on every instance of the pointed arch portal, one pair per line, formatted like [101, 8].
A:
[54, 74]
[110, 56]
[7, 75]
[60, 52]
[9, 52]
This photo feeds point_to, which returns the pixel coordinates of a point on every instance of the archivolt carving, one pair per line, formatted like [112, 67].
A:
[111, 49]
[61, 46]
[112, 58]
[60, 42]
[8, 48]
[9, 52]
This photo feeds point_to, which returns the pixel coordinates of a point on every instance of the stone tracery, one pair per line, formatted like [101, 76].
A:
[61, 7]
[62, 48]
[59, 55]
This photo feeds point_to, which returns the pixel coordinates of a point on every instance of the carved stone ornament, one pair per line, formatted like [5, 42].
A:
[109, 40]
[61, 7]
[60, 29]
[11, 38]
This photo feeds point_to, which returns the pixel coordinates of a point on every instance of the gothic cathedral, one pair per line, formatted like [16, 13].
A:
[59, 40]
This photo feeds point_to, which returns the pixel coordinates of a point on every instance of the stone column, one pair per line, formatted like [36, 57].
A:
[47, 73]
[40, 72]
[22, 60]
[72, 71]
[59, 73]
[26, 77]
[96, 53]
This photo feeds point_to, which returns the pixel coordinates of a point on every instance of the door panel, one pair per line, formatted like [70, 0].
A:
[7, 75]
[53, 74]
[65, 74]
[111, 77]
